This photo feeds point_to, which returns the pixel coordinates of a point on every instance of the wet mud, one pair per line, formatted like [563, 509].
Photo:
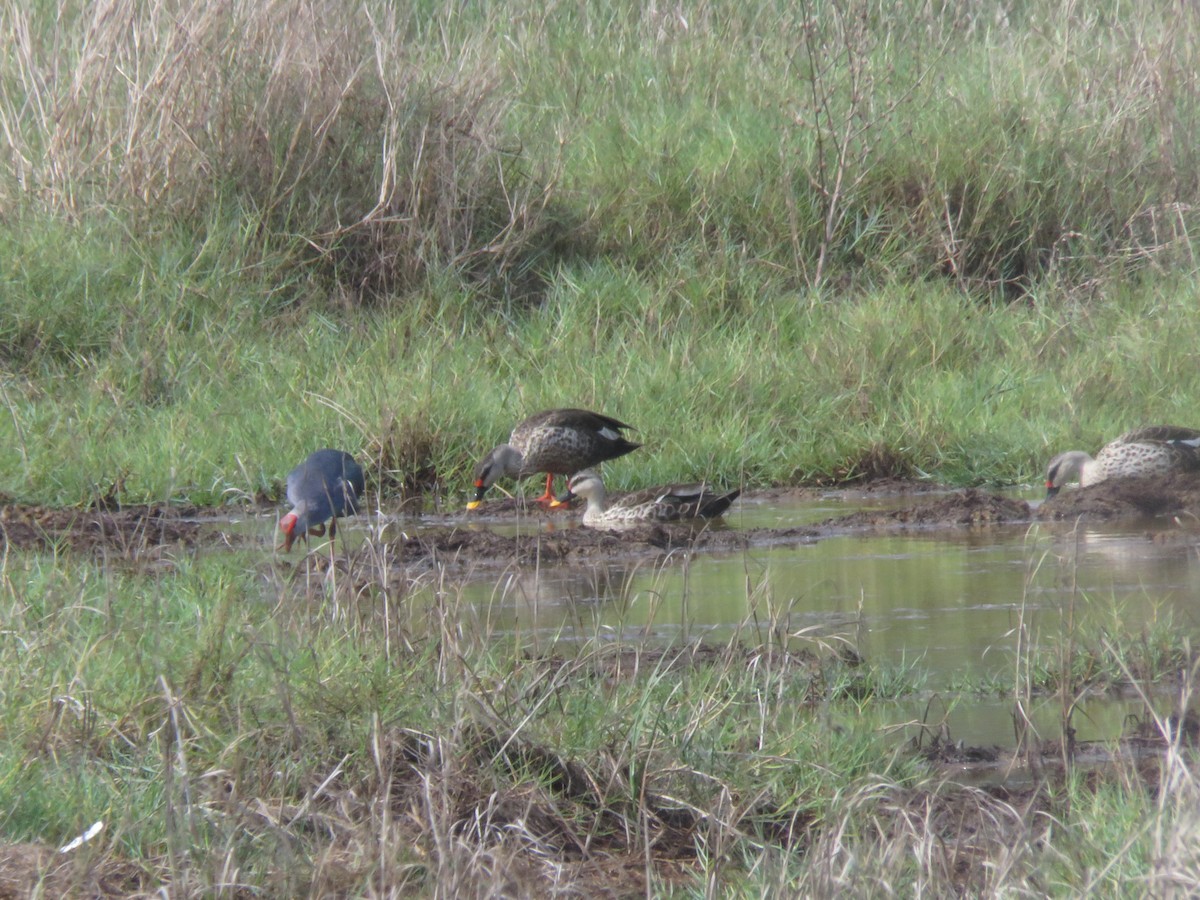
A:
[971, 507]
[480, 547]
[1169, 505]
[1167, 497]
[131, 532]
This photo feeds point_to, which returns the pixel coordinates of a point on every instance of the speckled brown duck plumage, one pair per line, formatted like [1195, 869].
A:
[557, 442]
[1155, 450]
[657, 504]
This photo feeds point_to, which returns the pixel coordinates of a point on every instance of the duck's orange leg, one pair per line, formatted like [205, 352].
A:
[547, 499]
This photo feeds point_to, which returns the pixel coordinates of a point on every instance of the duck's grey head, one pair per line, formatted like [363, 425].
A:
[1062, 469]
[500, 461]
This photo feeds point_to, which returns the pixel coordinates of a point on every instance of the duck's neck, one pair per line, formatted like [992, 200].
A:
[1090, 471]
[596, 502]
[509, 461]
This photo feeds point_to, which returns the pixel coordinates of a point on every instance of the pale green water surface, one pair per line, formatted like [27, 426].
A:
[949, 598]
[950, 601]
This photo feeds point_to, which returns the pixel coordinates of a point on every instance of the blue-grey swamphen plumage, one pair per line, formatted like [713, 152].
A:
[326, 485]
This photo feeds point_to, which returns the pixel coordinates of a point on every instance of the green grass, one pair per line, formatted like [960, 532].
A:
[1115, 651]
[785, 394]
[789, 243]
[172, 701]
[956, 243]
[321, 729]
[221, 712]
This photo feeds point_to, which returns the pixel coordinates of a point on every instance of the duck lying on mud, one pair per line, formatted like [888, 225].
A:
[1154, 450]
[656, 504]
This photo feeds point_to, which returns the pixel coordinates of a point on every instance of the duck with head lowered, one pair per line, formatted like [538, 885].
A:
[1154, 450]
[557, 442]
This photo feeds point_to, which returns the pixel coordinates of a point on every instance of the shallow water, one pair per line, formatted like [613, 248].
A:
[949, 599]
[952, 602]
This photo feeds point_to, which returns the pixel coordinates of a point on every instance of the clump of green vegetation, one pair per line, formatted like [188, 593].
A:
[1158, 652]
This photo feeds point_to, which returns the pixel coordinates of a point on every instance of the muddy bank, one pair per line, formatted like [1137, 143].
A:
[454, 537]
[1172, 500]
[129, 532]
[1158, 497]
[476, 545]
[971, 507]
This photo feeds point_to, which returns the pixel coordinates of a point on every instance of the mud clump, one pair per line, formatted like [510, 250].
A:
[1176, 494]
[459, 545]
[131, 531]
[971, 508]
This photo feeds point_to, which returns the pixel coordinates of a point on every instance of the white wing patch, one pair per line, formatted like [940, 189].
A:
[83, 838]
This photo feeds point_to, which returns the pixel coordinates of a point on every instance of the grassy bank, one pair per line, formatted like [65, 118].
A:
[797, 246]
[319, 730]
[902, 381]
